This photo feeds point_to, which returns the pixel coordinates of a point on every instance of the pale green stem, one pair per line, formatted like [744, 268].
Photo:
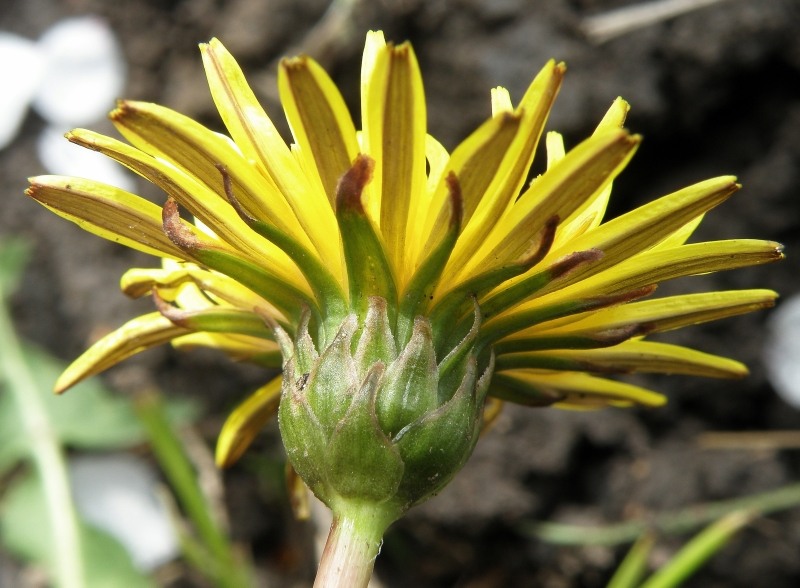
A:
[47, 456]
[354, 542]
[679, 521]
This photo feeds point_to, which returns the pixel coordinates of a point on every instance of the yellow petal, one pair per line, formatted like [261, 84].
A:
[211, 288]
[555, 148]
[374, 72]
[418, 237]
[636, 231]
[615, 116]
[374, 49]
[665, 264]
[559, 192]
[259, 140]
[196, 150]
[475, 163]
[438, 158]
[106, 211]
[591, 214]
[535, 107]
[510, 172]
[576, 390]
[136, 335]
[658, 315]
[203, 202]
[645, 270]
[630, 356]
[238, 347]
[246, 421]
[320, 122]
[245, 119]
[397, 133]
[501, 101]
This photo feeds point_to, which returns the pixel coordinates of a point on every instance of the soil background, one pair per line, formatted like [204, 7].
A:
[713, 92]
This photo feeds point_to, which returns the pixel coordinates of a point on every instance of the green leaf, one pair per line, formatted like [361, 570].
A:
[14, 254]
[699, 550]
[26, 532]
[633, 568]
[88, 417]
[12, 443]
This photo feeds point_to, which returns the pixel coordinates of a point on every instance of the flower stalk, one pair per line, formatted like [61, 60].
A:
[353, 544]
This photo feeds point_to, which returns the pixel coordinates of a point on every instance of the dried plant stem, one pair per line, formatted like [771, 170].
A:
[606, 26]
[750, 440]
[354, 542]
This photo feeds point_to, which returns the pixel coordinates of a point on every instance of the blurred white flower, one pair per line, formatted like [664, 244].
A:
[782, 350]
[71, 77]
[118, 493]
[21, 69]
[84, 72]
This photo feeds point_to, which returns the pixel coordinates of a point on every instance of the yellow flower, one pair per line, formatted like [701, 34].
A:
[291, 240]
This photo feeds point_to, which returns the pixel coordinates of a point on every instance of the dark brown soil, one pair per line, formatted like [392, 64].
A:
[713, 92]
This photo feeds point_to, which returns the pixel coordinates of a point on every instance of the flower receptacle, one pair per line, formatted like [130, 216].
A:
[365, 421]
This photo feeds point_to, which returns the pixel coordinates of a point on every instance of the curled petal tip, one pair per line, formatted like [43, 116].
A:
[574, 260]
[545, 241]
[174, 228]
[166, 309]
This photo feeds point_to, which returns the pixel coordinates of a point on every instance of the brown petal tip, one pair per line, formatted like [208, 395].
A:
[352, 183]
[456, 200]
